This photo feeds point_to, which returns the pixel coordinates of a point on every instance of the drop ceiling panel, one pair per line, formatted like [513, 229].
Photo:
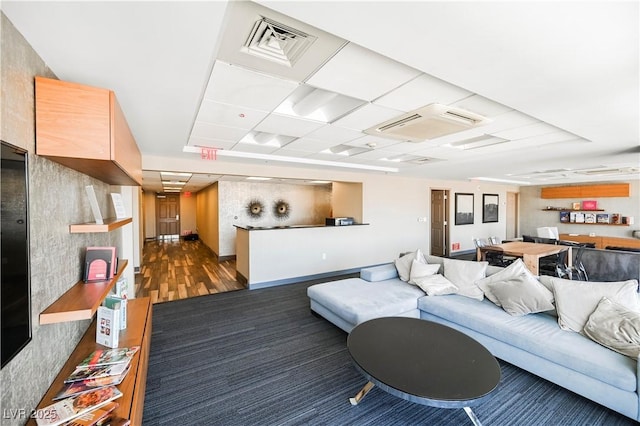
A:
[212, 143]
[239, 86]
[229, 115]
[483, 106]
[526, 131]
[310, 145]
[361, 73]
[286, 152]
[367, 116]
[377, 142]
[335, 133]
[255, 148]
[283, 125]
[421, 91]
[215, 131]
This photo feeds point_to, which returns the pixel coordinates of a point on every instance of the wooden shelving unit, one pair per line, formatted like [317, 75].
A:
[81, 301]
[137, 333]
[108, 226]
[601, 224]
[571, 210]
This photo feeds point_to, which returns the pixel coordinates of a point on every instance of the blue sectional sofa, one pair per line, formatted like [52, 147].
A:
[533, 342]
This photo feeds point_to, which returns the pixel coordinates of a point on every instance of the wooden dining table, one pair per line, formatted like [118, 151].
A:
[529, 252]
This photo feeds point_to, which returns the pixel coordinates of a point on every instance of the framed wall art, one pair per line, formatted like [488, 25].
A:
[489, 208]
[464, 209]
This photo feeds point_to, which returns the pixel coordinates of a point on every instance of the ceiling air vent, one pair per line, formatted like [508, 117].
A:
[277, 42]
[428, 122]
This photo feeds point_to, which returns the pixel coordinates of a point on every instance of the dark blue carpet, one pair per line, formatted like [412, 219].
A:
[261, 358]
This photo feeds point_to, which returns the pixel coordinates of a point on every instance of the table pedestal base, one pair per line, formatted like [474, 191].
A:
[370, 385]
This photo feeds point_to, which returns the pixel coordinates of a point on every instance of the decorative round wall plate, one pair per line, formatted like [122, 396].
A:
[281, 209]
[255, 209]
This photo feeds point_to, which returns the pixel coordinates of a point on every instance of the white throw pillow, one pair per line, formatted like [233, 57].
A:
[615, 327]
[576, 300]
[436, 285]
[521, 296]
[464, 274]
[419, 270]
[513, 271]
[403, 263]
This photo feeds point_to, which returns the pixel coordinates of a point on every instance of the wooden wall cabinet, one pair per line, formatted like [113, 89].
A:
[83, 128]
[586, 191]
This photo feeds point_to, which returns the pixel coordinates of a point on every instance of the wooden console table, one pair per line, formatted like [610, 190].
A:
[602, 241]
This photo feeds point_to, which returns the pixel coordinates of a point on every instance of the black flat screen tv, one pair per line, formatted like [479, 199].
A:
[15, 293]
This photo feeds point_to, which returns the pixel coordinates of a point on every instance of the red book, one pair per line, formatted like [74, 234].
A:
[100, 263]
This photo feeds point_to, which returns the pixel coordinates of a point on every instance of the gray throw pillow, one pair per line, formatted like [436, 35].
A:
[419, 270]
[464, 274]
[403, 263]
[576, 300]
[615, 327]
[436, 285]
[513, 271]
[521, 296]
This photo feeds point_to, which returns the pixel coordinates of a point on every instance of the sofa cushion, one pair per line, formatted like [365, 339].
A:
[464, 274]
[538, 334]
[576, 300]
[515, 270]
[379, 273]
[356, 300]
[436, 285]
[522, 296]
[420, 270]
[616, 327]
[404, 262]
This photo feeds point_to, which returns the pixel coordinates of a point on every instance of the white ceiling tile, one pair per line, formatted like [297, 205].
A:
[214, 131]
[311, 145]
[254, 148]
[238, 86]
[335, 134]
[211, 142]
[405, 147]
[529, 130]
[367, 116]
[422, 91]
[229, 115]
[361, 73]
[283, 125]
[483, 106]
[378, 142]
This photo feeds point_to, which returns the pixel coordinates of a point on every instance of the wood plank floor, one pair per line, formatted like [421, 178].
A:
[177, 269]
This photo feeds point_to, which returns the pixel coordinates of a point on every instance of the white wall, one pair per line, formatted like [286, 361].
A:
[532, 216]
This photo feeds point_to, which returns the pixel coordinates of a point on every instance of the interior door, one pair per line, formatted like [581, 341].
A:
[512, 215]
[168, 215]
[438, 222]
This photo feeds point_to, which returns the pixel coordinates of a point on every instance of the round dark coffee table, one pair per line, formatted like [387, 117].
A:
[423, 362]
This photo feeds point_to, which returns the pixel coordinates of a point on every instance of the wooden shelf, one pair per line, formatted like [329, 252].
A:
[81, 301]
[108, 226]
[137, 333]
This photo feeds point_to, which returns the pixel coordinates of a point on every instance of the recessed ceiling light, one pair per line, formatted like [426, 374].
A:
[258, 178]
[173, 182]
[320, 181]
[477, 142]
[169, 174]
[318, 104]
[267, 139]
[489, 179]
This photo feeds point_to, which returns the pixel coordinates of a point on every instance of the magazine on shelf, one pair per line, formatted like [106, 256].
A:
[83, 386]
[109, 356]
[108, 325]
[579, 217]
[589, 218]
[100, 263]
[565, 217]
[120, 289]
[91, 373]
[602, 218]
[615, 218]
[70, 408]
[100, 416]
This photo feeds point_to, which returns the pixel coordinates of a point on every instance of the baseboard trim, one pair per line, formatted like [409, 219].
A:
[266, 284]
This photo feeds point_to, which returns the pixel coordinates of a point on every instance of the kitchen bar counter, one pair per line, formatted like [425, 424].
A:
[266, 258]
[262, 228]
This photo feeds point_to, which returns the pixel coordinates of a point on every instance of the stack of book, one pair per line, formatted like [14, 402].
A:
[87, 395]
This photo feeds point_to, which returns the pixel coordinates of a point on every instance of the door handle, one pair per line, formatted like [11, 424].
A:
[177, 217]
